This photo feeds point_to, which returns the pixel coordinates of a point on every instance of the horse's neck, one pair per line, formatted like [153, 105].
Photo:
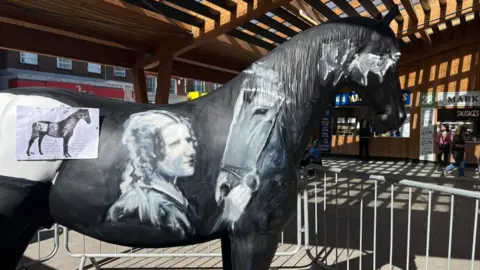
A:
[71, 119]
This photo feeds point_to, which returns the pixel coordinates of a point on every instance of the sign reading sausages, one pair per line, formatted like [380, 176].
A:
[467, 113]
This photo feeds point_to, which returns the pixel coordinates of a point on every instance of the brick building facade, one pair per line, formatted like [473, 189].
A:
[21, 69]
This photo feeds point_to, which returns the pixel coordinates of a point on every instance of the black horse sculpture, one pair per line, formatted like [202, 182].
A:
[221, 166]
[63, 129]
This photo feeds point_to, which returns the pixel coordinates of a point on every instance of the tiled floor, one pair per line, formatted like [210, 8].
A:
[350, 205]
[404, 168]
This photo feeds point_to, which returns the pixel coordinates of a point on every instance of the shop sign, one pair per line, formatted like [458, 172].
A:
[325, 132]
[353, 99]
[427, 100]
[467, 113]
[466, 98]
[426, 135]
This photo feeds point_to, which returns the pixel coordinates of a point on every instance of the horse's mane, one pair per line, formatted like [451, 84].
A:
[292, 70]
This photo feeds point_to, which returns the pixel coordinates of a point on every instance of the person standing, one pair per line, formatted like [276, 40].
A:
[365, 134]
[444, 144]
[458, 148]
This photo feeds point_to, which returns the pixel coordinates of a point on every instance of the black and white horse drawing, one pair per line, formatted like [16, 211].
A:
[63, 129]
[230, 173]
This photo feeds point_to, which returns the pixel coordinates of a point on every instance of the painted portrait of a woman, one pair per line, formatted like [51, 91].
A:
[161, 148]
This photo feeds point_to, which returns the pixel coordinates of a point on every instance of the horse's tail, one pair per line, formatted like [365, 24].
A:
[35, 126]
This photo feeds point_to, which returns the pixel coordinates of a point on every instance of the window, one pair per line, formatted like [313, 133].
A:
[64, 63]
[94, 68]
[119, 72]
[215, 86]
[199, 86]
[173, 86]
[151, 83]
[28, 58]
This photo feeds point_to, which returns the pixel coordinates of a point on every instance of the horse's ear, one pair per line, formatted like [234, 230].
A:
[390, 16]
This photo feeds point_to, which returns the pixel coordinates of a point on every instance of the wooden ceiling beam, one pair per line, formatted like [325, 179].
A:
[244, 14]
[121, 7]
[52, 25]
[21, 36]
[203, 64]
[277, 26]
[439, 14]
[200, 73]
[412, 15]
[291, 18]
[263, 32]
[425, 5]
[346, 8]
[298, 13]
[225, 4]
[472, 37]
[322, 9]
[251, 39]
[226, 25]
[390, 4]
[167, 10]
[370, 7]
[310, 12]
[442, 2]
[197, 7]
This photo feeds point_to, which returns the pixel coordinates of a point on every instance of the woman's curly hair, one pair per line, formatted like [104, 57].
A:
[143, 138]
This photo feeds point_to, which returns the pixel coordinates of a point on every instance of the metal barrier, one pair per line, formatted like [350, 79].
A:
[42, 258]
[376, 221]
[210, 249]
[386, 234]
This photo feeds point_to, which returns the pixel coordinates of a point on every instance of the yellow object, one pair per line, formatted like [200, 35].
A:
[194, 95]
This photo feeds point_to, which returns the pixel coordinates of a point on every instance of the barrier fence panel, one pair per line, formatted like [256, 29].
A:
[83, 247]
[38, 250]
[364, 221]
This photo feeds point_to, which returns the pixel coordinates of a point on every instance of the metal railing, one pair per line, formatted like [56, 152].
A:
[352, 194]
[199, 250]
[38, 246]
[352, 217]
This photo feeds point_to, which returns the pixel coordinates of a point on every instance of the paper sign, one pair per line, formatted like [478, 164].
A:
[426, 135]
[56, 133]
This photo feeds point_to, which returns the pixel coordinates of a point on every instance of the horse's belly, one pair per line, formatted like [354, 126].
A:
[9, 165]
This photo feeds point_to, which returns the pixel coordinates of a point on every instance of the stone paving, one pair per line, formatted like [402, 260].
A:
[350, 204]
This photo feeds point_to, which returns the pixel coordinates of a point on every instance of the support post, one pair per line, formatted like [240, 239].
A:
[163, 81]
[140, 85]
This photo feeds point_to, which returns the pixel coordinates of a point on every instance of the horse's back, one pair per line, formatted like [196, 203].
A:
[9, 165]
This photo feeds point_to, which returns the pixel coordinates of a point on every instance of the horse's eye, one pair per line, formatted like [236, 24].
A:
[260, 111]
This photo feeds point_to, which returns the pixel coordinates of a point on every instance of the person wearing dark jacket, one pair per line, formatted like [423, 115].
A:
[364, 134]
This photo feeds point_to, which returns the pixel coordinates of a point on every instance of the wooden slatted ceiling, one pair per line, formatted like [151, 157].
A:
[416, 16]
[166, 19]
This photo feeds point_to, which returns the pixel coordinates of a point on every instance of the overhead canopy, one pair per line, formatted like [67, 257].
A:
[213, 40]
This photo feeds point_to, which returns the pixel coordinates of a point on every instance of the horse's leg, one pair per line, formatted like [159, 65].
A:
[40, 139]
[226, 252]
[23, 210]
[253, 251]
[30, 142]
[65, 145]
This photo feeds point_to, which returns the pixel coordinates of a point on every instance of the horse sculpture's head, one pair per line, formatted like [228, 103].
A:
[373, 75]
[84, 114]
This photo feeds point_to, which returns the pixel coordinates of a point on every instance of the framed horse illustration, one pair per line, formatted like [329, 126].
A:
[224, 165]
[63, 129]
